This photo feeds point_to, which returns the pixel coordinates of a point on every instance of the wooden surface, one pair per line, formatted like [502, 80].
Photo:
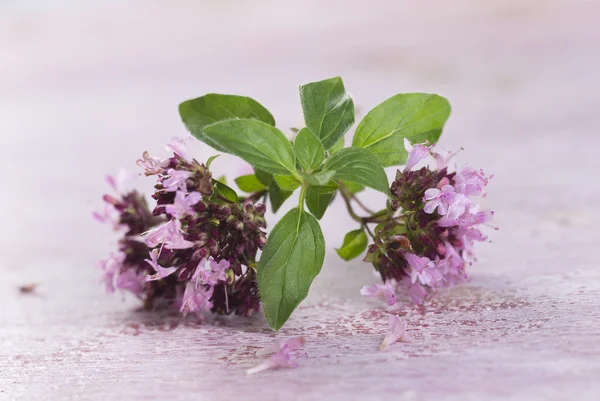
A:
[86, 90]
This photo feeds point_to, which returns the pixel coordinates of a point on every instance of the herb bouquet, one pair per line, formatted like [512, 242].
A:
[198, 247]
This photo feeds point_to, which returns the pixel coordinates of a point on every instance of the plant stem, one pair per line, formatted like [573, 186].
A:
[302, 197]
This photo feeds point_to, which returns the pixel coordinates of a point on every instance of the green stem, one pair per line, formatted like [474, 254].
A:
[302, 197]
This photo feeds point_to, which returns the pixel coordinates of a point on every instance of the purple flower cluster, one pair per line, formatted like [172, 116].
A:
[430, 243]
[195, 250]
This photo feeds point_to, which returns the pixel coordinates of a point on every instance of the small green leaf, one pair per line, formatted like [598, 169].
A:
[209, 109]
[339, 145]
[320, 178]
[250, 183]
[318, 199]
[225, 191]
[353, 187]
[292, 258]
[416, 116]
[286, 182]
[309, 150]
[359, 166]
[264, 177]
[355, 242]
[277, 196]
[210, 160]
[328, 110]
[258, 143]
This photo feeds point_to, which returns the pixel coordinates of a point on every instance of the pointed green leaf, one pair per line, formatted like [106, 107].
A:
[286, 182]
[210, 160]
[419, 117]
[209, 109]
[277, 196]
[225, 191]
[355, 242]
[250, 183]
[258, 143]
[328, 110]
[292, 258]
[320, 178]
[339, 145]
[318, 200]
[359, 166]
[309, 150]
[264, 177]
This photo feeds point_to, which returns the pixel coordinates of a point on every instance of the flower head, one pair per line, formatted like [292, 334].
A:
[396, 332]
[283, 358]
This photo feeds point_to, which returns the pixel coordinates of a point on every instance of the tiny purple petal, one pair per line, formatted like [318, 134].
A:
[176, 181]
[386, 291]
[196, 298]
[177, 146]
[131, 281]
[396, 332]
[416, 153]
[161, 272]
[183, 204]
[283, 357]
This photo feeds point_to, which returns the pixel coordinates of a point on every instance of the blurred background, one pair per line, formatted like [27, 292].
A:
[86, 86]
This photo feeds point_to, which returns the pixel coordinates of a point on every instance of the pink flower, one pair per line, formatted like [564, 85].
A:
[176, 181]
[110, 216]
[131, 281]
[183, 204]
[196, 298]
[211, 272]
[161, 272]
[397, 332]
[152, 165]
[111, 267]
[442, 160]
[177, 146]
[469, 181]
[416, 153]
[439, 199]
[118, 183]
[386, 291]
[422, 269]
[283, 357]
[169, 234]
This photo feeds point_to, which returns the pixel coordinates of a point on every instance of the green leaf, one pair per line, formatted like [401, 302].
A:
[328, 110]
[318, 199]
[286, 182]
[264, 177]
[359, 166]
[225, 191]
[292, 258]
[416, 116]
[209, 109]
[258, 143]
[339, 145]
[210, 160]
[353, 187]
[277, 196]
[250, 183]
[355, 242]
[309, 150]
[320, 178]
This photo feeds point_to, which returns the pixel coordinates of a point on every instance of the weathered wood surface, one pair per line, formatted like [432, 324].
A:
[85, 90]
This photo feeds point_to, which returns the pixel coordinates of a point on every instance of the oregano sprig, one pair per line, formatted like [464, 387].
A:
[213, 226]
